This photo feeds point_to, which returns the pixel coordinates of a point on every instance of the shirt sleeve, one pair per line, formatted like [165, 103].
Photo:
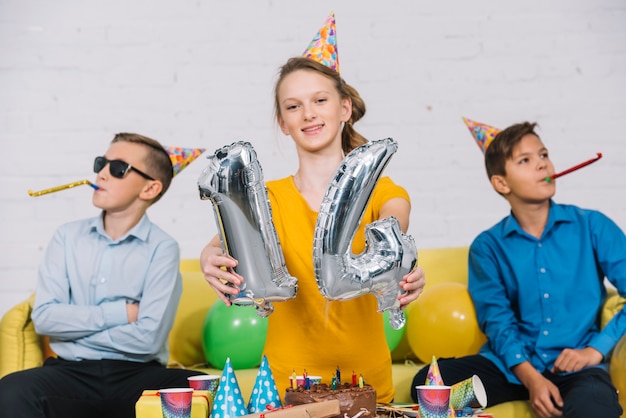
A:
[384, 191]
[489, 293]
[609, 243]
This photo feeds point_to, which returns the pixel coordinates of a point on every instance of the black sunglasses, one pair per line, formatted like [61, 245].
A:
[117, 168]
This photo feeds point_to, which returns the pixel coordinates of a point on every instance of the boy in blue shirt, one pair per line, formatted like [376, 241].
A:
[537, 282]
[107, 294]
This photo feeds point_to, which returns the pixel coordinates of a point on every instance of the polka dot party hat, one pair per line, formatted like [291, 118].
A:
[264, 393]
[228, 402]
[182, 157]
[323, 48]
[483, 134]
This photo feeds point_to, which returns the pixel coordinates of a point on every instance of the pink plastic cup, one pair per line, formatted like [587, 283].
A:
[176, 402]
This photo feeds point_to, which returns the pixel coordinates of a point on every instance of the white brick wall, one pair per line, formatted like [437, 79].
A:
[200, 74]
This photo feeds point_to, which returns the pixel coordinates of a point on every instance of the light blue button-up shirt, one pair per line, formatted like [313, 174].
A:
[535, 297]
[85, 281]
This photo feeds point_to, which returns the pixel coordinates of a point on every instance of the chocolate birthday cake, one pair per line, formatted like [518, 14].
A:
[352, 399]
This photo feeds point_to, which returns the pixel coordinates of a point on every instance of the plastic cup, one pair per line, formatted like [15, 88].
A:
[208, 382]
[300, 380]
[176, 402]
[469, 392]
[315, 380]
[433, 400]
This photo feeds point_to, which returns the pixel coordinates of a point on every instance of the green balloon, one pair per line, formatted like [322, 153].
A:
[236, 332]
[393, 336]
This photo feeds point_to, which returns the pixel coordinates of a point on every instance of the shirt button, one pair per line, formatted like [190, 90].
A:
[545, 333]
[548, 320]
[544, 355]
[546, 295]
[539, 244]
[543, 270]
[518, 356]
[103, 280]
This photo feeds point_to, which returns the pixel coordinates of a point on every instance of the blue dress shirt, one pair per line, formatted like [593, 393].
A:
[535, 297]
[85, 281]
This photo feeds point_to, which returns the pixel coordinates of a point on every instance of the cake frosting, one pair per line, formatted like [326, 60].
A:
[352, 399]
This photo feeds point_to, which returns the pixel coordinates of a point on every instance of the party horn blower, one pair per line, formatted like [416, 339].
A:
[576, 167]
[63, 187]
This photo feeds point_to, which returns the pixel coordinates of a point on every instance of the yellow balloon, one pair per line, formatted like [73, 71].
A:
[618, 375]
[442, 323]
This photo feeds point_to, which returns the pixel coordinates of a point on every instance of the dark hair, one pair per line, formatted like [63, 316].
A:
[158, 162]
[501, 148]
[350, 138]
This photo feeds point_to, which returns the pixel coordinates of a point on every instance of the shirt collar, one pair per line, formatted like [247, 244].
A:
[556, 215]
[139, 231]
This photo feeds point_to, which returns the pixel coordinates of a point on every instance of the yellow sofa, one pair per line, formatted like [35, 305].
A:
[21, 347]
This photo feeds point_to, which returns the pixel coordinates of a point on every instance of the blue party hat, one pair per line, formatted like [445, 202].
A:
[264, 393]
[228, 402]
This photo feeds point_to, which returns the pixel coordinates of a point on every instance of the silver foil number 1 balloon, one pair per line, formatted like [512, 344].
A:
[233, 181]
[389, 254]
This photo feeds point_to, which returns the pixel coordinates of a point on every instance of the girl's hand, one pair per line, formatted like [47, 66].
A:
[413, 285]
[218, 270]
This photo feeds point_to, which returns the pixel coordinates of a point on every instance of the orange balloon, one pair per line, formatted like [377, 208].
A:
[442, 323]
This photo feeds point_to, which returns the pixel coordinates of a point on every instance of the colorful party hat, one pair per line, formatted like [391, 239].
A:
[228, 402]
[182, 157]
[264, 393]
[323, 48]
[483, 134]
[434, 376]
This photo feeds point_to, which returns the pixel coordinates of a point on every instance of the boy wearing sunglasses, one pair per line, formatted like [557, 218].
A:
[107, 294]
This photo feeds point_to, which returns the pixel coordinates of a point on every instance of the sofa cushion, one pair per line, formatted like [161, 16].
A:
[185, 340]
[612, 305]
[618, 371]
[444, 265]
[21, 346]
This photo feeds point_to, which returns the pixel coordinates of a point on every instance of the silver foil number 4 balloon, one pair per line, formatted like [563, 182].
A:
[389, 254]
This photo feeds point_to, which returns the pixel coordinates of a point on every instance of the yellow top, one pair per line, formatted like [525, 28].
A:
[309, 332]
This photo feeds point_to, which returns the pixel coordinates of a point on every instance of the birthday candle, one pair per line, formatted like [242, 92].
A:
[361, 382]
[294, 380]
[338, 374]
[353, 378]
[63, 187]
[333, 384]
[307, 381]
